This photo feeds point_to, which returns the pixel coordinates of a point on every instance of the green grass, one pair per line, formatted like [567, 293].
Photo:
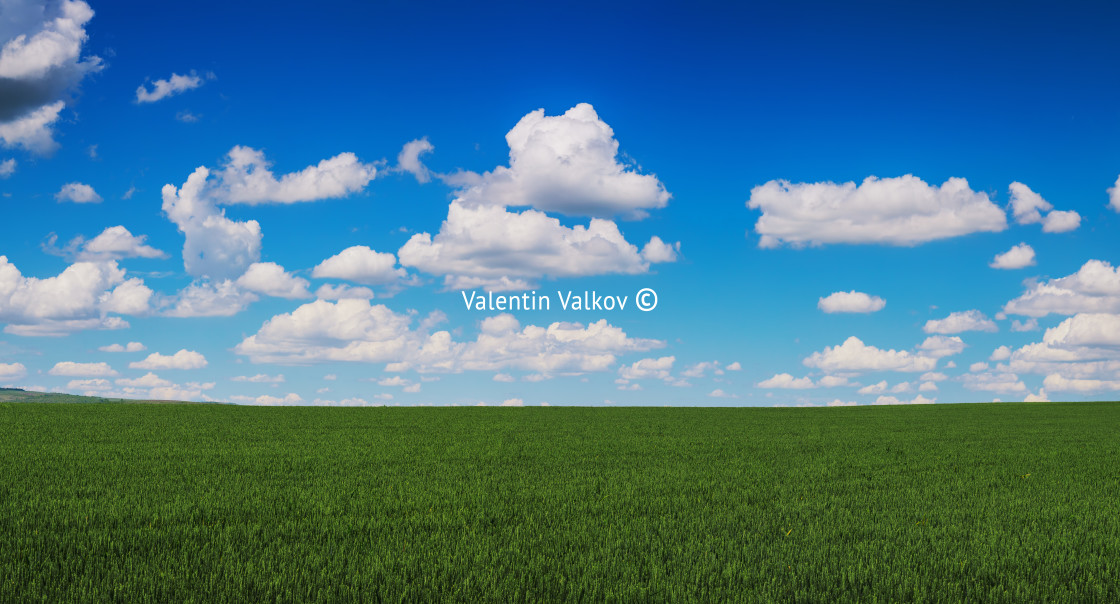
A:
[992, 502]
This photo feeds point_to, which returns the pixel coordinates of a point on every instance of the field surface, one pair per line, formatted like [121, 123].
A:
[168, 503]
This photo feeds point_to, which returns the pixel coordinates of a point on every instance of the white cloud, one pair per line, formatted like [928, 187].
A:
[513, 402]
[942, 346]
[566, 164]
[927, 387]
[1114, 195]
[488, 246]
[341, 292]
[503, 377]
[271, 279]
[983, 380]
[1058, 383]
[719, 393]
[1028, 325]
[978, 366]
[648, 368]
[1020, 256]
[78, 193]
[354, 330]
[957, 322]
[1026, 205]
[1086, 329]
[214, 245]
[361, 264]
[890, 211]
[879, 388]
[246, 178]
[1061, 221]
[933, 376]
[854, 355]
[408, 160]
[12, 371]
[1000, 354]
[1094, 288]
[785, 380]
[40, 62]
[162, 89]
[1037, 398]
[735, 366]
[290, 399]
[209, 299]
[7, 168]
[831, 381]
[78, 298]
[699, 369]
[72, 369]
[657, 250]
[852, 301]
[260, 378]
[839, 403]
[114, 243]
[184, 359]
[917, 400]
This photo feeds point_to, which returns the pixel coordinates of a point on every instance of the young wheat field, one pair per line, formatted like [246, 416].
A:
[202, 503]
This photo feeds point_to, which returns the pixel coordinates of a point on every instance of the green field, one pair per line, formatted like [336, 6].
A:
[985, 502]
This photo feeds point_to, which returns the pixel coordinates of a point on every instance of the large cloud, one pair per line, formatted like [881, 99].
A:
[80, 297]
[854, 355]
[1094, 288]
[891, 211]
[958, 322]
[354, 330]
[493, 247]
[214, 246]
[566, 164]
[1027, 207]
[246, 178]
[39, 62]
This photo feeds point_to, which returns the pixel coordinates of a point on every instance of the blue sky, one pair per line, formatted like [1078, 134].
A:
[280, 204]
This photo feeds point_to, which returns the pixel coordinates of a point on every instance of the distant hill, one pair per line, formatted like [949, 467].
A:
[19, 395]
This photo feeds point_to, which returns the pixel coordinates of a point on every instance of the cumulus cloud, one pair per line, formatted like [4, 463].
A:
[271, 279]
[890, 211]
[162, 89]
[78, 193]
[81, 297]
[1028, 325]
[40, 61]
[130, 347]
[1094, 288]
[72, 369]
[149, 380]
[735, 366]
[184, 359]
[12, 371]
[361, 264]
[513, 402]
[852, 301]
[647, 368]
[1059, 383]
[958, 322]
[209, 299]
[1027, 207]
[488, 246]
[1000, 354]
[942, 346]
[993, 382]
[1061, 222]
[785, 380]
[354, 330]
[567, 164]
[879, 388]
[1020, 256]
[853, 355]
[246, 178]
[214, 246]
[656, 250]
[408, 160]
[114, 243]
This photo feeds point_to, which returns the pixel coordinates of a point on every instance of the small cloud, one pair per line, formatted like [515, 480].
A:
[161, 89]
[187, 117]
[78, 193]
[1020, 256]
[130, 347]
[7, 168]
[852, 301]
